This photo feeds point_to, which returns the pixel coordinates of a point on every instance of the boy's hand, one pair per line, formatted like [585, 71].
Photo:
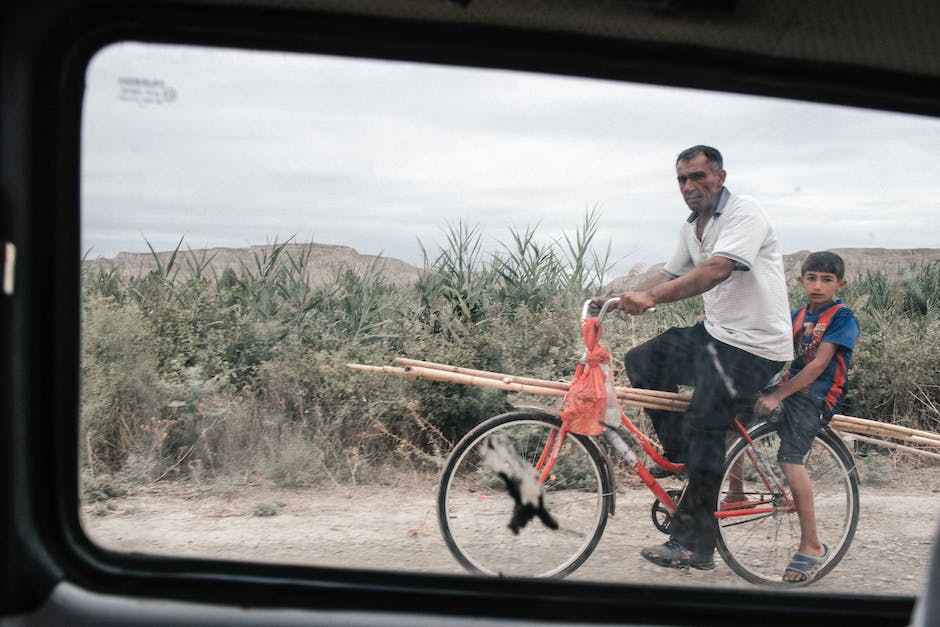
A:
[766, 404]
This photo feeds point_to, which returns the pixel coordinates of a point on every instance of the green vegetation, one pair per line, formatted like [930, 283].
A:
[188, 374]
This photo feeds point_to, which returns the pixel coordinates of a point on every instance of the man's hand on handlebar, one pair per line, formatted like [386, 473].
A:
[596, 303]
[636, 303]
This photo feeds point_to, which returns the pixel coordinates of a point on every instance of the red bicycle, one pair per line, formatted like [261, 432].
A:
[575, 479]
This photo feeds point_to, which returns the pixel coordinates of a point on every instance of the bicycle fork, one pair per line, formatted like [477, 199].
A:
[556, 439]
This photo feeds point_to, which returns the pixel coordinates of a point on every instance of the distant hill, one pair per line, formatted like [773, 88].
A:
[858, 261]
[324, 261]
[891, 261]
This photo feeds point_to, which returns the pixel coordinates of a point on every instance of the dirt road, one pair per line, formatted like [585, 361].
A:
[394, 526]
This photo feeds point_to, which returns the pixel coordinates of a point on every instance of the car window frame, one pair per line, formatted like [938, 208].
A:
[45, 318]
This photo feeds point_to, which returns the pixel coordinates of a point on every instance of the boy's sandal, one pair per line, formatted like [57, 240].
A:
[807, 565]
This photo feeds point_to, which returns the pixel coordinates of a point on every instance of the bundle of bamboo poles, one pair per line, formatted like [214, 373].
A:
[870, 431]
[862, 430]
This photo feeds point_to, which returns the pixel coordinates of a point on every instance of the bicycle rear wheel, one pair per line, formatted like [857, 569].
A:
[474, 506]
[759, 547]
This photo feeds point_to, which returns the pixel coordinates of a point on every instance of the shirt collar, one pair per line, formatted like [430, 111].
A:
[835, 301]
[722, 201]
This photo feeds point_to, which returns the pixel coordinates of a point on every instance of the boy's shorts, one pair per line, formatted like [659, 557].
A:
[800, 419]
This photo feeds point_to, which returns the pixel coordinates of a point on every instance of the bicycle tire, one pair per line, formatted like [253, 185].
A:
[759, 547]
[474, 507]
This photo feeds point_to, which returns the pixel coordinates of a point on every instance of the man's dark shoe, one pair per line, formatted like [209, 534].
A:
[674, 555]
[659, 472]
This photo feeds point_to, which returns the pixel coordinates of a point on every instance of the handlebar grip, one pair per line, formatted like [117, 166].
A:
[591, 306]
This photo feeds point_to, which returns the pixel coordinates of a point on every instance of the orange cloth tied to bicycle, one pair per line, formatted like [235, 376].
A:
[585, 406]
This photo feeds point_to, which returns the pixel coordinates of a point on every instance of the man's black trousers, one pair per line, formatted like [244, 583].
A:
[726, 379]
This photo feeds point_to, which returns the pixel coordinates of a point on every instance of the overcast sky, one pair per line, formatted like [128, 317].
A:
[233, 148]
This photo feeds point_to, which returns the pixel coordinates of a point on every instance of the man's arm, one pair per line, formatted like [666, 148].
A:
[661, 289]
[653, 281]
[650, 283]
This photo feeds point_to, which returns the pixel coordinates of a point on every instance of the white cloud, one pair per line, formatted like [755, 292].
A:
[379, 155]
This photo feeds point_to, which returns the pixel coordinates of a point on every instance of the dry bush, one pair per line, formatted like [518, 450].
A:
[187, 376]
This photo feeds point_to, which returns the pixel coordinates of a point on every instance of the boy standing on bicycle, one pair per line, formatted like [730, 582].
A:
[824, 335]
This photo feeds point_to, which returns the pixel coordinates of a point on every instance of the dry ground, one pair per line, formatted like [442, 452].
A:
[393, 526]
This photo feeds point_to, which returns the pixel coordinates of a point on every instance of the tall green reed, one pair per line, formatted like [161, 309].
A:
[167, 347]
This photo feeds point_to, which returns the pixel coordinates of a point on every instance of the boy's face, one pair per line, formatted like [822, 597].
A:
[820, 287]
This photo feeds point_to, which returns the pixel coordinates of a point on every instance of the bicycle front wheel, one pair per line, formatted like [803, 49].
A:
[759, 547]
[475, 507]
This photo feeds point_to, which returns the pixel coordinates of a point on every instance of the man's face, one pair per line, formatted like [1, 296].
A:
[700, 186]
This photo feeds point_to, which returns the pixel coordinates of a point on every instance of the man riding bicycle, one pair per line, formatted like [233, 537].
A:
[727, 252]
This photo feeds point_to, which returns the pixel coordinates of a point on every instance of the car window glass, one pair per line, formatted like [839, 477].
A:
[254, 222]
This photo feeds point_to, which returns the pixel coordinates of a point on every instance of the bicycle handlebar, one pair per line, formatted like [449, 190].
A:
[586, 309]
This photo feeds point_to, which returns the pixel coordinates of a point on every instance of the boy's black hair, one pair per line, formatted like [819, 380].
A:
[824, 261]
[711, 154]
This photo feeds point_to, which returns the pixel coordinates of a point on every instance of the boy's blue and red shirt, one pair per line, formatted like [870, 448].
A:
[837, 327]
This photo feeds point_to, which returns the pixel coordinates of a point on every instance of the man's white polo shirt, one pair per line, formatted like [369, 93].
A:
[750, 309]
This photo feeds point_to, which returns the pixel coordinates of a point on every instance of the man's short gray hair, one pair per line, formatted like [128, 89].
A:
[711, 154]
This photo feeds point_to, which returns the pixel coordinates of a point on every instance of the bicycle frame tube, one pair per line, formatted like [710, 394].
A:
[640, 438]
[745, 511]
